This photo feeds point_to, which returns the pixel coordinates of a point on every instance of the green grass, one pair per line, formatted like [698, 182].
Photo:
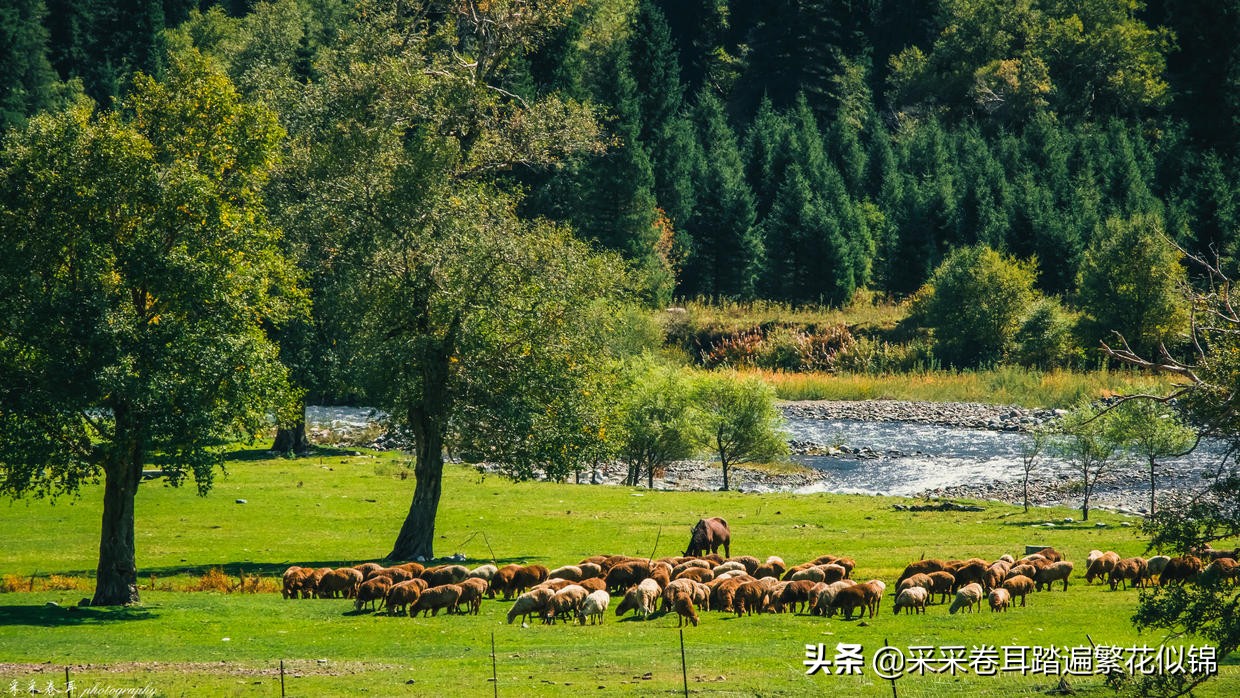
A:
[336, 510]
[866, 313]
[1005, 385]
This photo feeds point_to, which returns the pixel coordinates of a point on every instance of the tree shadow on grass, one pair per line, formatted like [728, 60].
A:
[256, 454]
[56, 616]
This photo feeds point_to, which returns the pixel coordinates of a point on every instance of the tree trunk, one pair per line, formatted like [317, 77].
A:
[1026, 491]
[724, 463]
[417, 535]
[116, 578]
[1085, 499]
[292, 439]
[1151, 487]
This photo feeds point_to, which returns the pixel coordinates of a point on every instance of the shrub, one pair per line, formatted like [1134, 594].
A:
[1047, 338]
[781, 348]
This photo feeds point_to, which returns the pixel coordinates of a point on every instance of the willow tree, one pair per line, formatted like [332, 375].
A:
[138, 273]
[472, 319]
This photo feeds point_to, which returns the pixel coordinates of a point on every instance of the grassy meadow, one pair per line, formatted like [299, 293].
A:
[345, 509]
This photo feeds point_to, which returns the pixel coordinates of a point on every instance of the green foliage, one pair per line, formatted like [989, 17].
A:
[977, 300]
[739, 419]
[1047, 337]
[1130, 283]
[1089, 438]
[1151, 430]
[27, 82]
[659, 422]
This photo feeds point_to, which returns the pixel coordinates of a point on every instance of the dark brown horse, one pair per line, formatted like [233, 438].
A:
[708, 535]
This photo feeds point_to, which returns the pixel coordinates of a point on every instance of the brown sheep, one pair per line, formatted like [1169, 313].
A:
[777, 564]
[750, 562]
[599, 560]
[921, 567]
[821, 598]
[372, 590]
[343, 581]
[697, 574]
[850, 598]
[366, 568]
[766, 570]
[554, 584]
[294, 578]
[1050, 554]
[310, 585]
[414, 569]
[913, 598]
[570, 572]
[1101, 566]
[1130, 569]
[787, 576]
[502, 581]
[590, 570]
[848, 564]
[1000, 599]
[531, 602]
[444, 575]
[972, 572]
[723, 592]
[749, 597]
[565, 604]
[1059, 571]
[402, 597]
[640, 598]
[995, 574]
[1179, 570]
[941, 584]
[626, 574]
[1019, 585]
[700, 593]
[435, 598]
[528, 576]
[918, 580]
[686, 564]
[968, 596]
[593, 584]
[682, 603]
[875, 588]
[795, 593]
[472, 591]
[396, 574]
[661, 573]
[1022, 571]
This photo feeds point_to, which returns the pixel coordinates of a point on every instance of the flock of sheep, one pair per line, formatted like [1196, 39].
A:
[742, 585]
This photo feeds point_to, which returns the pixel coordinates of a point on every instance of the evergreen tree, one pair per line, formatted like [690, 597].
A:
[765, 157]
[726, 253]
[26, 77]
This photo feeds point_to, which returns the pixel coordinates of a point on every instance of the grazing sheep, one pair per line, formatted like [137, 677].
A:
[972, 572]
[1180, 569]
[554, 584]
[1059, 571]
[293, 579]
[624, 575]
[777, 563]
[593, 584]
[850, 598]
[922, 567]
[600, 560]
[565, 604]
[821, 606]
[723, 591]
[590, 570]
[1221, 570]
[1000, 599]
[1019, 585]
[594, 607]
[402, 596]
[913, 598]
[1050, 554]
[806, 574]
[720, 576]
[766, 571]
[749, 597]
[1156, 565]
[570, 572]
[941, 584]
[397, 574]
[1101, 566]
[531, 602]
[483, 572]
[682, 603]
[366, 568]
[640, 598]
[1089, 559]
[787, 575]
[918, 580]
[444, 575]
[529, 576]
[969, 595]
[414, 569]
[343, 581]
[1022, 571]
[1007, 558]
[472, 591]
[1132, 569]
[310, 585]
[750, 562]
[687, 564]
[502, 581]
[995, 574]
[874, 594]
[371, 591]
[729, 566]
[700, 593]
[697, 574]
[435, 598]
[661, 573]
[794, 594]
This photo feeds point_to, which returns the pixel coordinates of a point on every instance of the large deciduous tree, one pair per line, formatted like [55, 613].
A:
[139, 271]
[739, 420]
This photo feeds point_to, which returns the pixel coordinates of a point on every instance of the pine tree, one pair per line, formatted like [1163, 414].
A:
[26, 77]
[726, 253]
[765, 155]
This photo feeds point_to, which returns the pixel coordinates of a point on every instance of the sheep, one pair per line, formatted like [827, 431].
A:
[849, 598]
[807, 574]
[723, 591]
[766, 571]
[697, 574]
[1050, 554]
[594, 607]
[834, 572]
[1022, 571]
[1156, 565]
[570, 572]
[750, 562]
[293, 579]
[502, 581]
[1059, 571]
[593, 584]
[599, 560]
[922, 567]
[972, 572]
[435, 598]
[1132, 569]
[565, 603]
[729, 575]
[640, 598]
[874, 595]
[1222, 569]
[343, 581]
[969, 595]
[777, 564]
[531, 602]
[729, 566]
[402, 596]
[590, 570]
[1089, 559]
[483, 572]
[366, 568]
[310, 585]
[700, 593]
[414, 569]
[749, 597]
[694, 562]
[472, 591]
[913, 598]
[661, 573]
[941, 584]
[682, 603]
[626, 574]
[528, 576]
[1000, 599]
[1180, 569]
[995, 574]
[1007, 558]
[372, 590]
[821, 606]
[1019, 585]
[794, 593]
[396, 574]
[1101, 567]
[445, 575]
[554, 584]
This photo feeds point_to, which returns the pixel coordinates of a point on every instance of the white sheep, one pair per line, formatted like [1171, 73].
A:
[594, 607]
[913, 598]
[531, 602]
[728, 567]
[640, 598]
[483, 572]
[570, 572]
[1000, 599]
[1156, 565]
[970, 595]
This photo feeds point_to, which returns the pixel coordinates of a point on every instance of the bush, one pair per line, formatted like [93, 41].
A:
[781, 349]
[873, 357]
[1047, 337]
[976, 304]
